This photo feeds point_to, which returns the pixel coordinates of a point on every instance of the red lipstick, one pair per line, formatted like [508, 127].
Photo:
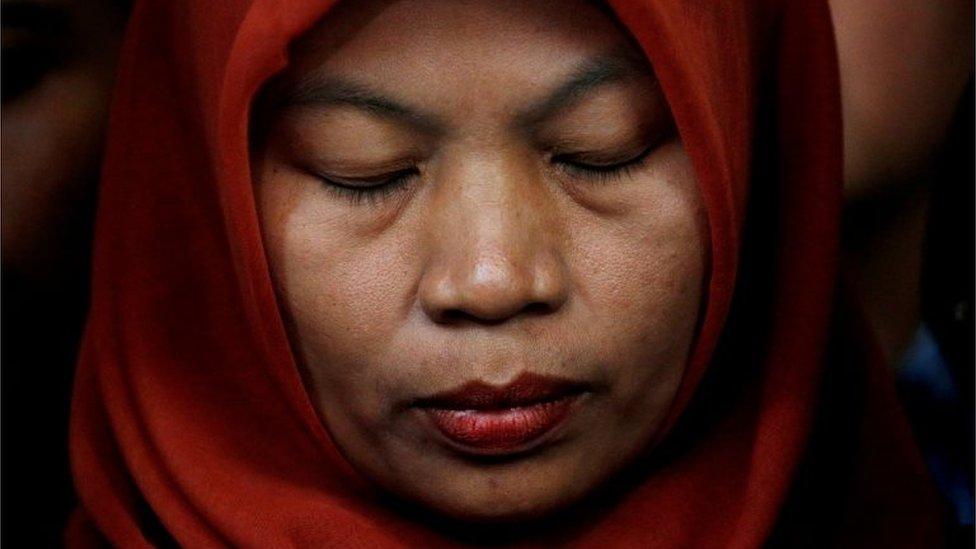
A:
[492, 420]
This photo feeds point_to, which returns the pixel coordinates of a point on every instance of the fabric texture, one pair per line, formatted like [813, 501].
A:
[190, 423]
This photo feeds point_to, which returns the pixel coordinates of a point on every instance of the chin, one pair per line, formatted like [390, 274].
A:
[489, 498]
[491, 511]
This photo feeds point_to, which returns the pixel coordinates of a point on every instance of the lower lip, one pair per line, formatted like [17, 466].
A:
[492, 432]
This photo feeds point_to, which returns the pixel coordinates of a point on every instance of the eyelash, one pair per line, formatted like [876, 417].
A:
[370, 191]
[375, 191]
[601, 173]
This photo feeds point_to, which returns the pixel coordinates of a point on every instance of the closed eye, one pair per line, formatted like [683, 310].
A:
[587, 166]
[581, 161]
[372, 189]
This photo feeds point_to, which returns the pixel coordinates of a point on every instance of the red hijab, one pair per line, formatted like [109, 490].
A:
[190, 422]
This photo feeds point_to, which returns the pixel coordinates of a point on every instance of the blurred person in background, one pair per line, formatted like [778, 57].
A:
[58, 62]
[907, 88]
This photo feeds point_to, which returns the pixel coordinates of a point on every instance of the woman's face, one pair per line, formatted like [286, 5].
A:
[488, 244]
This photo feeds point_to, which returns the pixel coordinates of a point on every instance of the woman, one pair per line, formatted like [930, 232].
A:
[464, 272]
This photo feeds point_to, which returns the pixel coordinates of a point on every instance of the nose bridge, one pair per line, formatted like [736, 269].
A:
[494, 251]
[496, 199]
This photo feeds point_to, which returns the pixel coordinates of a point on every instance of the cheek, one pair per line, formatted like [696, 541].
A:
[342, 293]
[641, 279]
[651, 255]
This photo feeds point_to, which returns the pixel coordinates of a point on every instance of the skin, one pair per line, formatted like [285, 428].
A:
[904, 65]
[502, 251]
[58, 66]
[59, 58]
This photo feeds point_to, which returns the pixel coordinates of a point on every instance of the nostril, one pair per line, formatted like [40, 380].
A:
[459, 316]
[492, 317]
[538, 309]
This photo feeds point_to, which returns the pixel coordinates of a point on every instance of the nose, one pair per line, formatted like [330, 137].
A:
[494, 247]
[491, 287]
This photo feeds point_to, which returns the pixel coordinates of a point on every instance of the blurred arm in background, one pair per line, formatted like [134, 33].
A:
[58, 64]
[906, 83]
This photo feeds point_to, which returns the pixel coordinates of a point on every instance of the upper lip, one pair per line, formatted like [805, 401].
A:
[525, 390]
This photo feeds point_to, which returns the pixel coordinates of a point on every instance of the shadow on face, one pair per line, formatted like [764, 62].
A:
[488, 244]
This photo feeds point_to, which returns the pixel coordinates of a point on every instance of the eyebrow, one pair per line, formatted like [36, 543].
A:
[336, 91]
[588, 75]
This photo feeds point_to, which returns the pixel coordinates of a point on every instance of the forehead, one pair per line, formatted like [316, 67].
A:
[485, 47]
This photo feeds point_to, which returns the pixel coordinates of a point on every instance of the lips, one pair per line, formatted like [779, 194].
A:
[484, 419]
